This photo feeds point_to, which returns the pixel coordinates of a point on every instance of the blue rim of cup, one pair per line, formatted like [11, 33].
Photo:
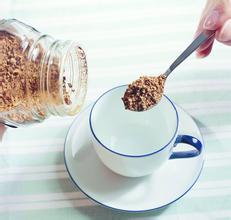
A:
[129, 155]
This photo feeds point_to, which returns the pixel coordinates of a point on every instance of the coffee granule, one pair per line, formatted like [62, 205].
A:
[144, 93]
[21, 97]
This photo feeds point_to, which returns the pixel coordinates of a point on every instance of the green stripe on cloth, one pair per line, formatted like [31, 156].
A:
[37, 187]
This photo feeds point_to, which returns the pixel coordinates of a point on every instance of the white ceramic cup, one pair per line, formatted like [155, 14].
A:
[136, 143]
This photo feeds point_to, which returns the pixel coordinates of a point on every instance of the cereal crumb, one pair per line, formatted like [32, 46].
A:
[144, 93]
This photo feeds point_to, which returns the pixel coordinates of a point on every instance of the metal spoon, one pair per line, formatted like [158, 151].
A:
[202, 37]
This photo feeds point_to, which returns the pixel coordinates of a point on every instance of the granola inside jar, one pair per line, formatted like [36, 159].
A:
[39, 75]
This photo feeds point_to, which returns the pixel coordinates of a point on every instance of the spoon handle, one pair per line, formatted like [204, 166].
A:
[192, 47]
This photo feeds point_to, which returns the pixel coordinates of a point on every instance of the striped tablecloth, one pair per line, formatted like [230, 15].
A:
[122, 39]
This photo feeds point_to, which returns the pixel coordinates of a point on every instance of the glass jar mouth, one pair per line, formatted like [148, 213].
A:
[73, 74]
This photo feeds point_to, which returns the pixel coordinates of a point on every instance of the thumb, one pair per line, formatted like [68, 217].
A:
[212, 21]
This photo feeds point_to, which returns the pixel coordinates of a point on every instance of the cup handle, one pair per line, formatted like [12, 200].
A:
[187, 139]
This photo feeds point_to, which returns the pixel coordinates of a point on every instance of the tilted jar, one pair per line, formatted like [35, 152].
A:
[39, 76]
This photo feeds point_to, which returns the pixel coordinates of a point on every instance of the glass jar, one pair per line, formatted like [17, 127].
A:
[39, 75]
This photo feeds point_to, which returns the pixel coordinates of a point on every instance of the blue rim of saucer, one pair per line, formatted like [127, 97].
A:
[113, 208]
[129, 155]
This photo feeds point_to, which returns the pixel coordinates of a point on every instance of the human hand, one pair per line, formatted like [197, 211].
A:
[215, 16]
[2, 131]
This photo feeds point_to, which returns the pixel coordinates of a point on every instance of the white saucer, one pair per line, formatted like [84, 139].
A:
[163, 187]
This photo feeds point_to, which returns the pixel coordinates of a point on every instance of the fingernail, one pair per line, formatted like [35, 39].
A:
[225, 34]
[212, 20]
